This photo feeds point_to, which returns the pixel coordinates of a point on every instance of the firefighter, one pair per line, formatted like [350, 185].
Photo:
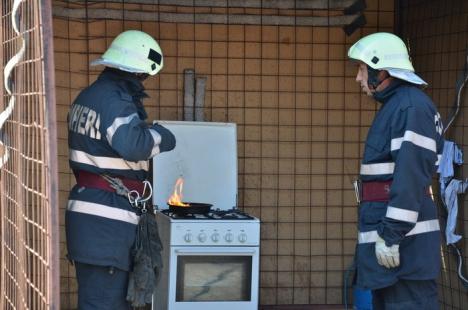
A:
[398, 254]
[109, 139]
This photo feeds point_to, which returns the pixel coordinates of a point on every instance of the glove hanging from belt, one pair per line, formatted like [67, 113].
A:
[147, 262]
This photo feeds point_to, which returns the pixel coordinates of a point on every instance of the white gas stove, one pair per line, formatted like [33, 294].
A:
[211, 260]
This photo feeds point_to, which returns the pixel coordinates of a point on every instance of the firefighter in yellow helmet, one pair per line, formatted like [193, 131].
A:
[110, 143]
[399, 237]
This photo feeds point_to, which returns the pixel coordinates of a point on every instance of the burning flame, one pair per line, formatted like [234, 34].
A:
[176, 197]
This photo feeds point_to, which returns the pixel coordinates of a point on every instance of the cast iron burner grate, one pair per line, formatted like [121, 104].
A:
[231, 214]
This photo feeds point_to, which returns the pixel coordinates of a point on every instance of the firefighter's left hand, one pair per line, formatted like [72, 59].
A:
[168, 141]
[387, 256]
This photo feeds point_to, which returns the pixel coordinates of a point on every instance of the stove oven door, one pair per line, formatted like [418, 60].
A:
[212, 278]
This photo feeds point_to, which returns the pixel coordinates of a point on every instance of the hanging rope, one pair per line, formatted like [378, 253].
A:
[9, 84]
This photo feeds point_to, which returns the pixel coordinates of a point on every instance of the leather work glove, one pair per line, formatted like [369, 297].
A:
[147, 262]
[387, 256]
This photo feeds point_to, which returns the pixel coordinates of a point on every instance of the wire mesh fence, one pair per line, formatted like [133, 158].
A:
[28, 221]
[300, 117]
[438, 36]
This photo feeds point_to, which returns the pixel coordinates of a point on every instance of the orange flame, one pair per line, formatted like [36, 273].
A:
[176, 197]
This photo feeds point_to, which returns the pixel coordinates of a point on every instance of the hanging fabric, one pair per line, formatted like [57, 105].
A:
[452, 191]
[451, 155]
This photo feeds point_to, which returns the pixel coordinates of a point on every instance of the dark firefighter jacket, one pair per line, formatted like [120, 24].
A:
[108, 135]
[404, 144]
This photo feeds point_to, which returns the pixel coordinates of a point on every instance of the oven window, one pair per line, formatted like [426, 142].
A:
[214, 278]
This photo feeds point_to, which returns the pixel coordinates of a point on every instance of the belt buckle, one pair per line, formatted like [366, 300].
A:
[357, 190]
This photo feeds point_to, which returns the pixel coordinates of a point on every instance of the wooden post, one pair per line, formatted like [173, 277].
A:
[200, 98]
[189, 94]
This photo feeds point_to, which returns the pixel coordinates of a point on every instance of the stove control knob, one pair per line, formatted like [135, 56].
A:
[243, 237]
[215, 237]
[202, 237]
[229, 237]
[188, 237]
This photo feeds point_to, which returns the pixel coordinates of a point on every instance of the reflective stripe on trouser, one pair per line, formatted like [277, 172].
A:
[99, 288]
[103, 211]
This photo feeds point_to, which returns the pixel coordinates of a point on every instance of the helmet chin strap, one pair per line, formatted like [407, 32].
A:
[142, 76]
[373, 80]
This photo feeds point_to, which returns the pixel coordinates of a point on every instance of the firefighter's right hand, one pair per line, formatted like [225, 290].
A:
[387, 256]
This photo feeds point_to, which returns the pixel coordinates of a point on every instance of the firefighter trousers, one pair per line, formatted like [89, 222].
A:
[407, 295]
[101, 287]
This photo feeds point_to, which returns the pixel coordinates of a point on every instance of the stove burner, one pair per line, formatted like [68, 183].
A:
[231, 214]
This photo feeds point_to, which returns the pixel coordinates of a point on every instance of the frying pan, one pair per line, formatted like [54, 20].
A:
[193, 208]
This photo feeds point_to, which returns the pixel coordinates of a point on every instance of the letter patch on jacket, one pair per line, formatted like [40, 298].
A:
[85, 121]
[438, 123]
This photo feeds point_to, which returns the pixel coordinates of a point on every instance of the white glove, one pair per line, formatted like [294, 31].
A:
[387, 256]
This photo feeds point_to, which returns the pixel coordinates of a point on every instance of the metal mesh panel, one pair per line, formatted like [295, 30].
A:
[29, 274]
[438, 36]
[301, 122]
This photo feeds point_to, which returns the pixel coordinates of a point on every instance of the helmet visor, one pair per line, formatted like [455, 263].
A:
[406, 75]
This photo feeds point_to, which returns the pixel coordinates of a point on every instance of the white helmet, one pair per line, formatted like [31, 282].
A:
[385, 51]
[133, 51]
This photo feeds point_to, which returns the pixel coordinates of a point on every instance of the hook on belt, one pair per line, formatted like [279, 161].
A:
[357, 190]
[137, 200]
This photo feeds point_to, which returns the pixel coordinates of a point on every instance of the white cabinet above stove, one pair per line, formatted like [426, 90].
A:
[205, 156]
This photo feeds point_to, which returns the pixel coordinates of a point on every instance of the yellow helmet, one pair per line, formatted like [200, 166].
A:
[133, 51]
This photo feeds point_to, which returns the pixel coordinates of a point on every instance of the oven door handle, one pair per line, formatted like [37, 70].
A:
[214, 252]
